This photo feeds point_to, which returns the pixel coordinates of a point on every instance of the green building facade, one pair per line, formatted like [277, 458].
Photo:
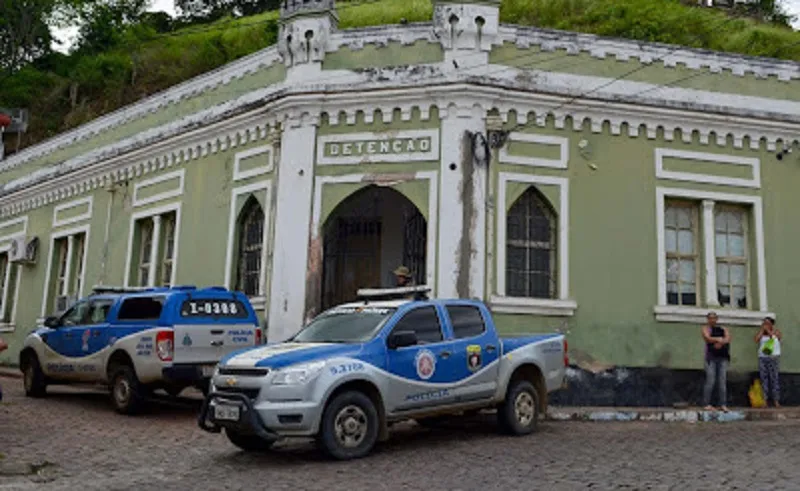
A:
[612, 190]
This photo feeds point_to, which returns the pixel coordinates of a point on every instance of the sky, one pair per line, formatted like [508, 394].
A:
[168, 6]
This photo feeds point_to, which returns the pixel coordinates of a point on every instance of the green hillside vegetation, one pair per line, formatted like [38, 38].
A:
[65, 91]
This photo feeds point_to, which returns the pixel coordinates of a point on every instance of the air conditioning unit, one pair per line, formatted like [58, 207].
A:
[63, 302]
[23, 249]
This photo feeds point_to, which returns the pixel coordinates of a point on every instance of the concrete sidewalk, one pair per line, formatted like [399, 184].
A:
[670, 415]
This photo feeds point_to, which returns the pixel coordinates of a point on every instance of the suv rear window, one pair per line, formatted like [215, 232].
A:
[216, 307]
[141, 308]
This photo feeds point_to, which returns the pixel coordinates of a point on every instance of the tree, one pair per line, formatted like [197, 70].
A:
[24, 32]
[103, 23]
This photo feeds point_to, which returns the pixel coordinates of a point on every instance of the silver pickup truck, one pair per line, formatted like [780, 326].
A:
[359, 367]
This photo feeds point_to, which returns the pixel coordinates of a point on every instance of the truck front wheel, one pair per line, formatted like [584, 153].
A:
[349, 426]
[34, 381]
[519, 413]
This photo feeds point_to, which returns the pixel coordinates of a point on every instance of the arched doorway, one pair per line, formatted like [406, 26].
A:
[365, 238]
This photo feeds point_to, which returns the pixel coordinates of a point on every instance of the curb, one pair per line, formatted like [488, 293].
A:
[671, 416]
[8, 372]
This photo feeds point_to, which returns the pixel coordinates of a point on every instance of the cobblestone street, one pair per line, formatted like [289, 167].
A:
[74, 441]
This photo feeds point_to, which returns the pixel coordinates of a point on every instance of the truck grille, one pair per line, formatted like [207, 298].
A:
[244, 372]
[250, 393]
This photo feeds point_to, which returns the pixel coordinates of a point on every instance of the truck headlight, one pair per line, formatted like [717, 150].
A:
[298, 374]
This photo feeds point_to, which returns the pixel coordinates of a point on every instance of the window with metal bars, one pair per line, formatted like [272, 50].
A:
[531, 231]
[251, 245]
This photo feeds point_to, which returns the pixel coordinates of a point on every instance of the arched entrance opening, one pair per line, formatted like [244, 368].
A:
[365, 238]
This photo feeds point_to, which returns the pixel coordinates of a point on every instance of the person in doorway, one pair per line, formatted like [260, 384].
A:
[769, 354]
[3, 347]
[403, 277]
[718, 356]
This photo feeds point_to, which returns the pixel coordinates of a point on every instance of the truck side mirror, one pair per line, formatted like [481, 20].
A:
[401, 339]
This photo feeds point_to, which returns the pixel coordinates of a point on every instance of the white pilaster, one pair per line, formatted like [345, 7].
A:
[710, 253]
[151, 272]
[295, 185]
[457, 123]
[68, 267]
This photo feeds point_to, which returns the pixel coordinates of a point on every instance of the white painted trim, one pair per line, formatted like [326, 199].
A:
[176, 207]
[239, 175]
[532, 306]
[697, 315]
[753, 163]
[433, 212]
[563, 228]
[709, 248]
[233, 219]
[179, 174]
[83, 229]
[5, 248]
[755, 201]
[431, 154]
[69, 205]
[562, 143]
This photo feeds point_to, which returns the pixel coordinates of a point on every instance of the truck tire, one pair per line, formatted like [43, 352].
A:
[33, 377]
[127, 393]
[349, 427]
[248, 443]
[519, 413]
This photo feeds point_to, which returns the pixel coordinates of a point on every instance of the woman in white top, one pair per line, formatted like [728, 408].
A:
[769, 355]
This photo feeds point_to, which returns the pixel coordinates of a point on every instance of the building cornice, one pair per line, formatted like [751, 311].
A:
[524, 37]
[668, 55]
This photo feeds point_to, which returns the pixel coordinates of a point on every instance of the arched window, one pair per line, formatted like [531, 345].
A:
[251, 244]
[531, 247]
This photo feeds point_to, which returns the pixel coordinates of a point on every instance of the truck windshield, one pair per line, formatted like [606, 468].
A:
[345, 325]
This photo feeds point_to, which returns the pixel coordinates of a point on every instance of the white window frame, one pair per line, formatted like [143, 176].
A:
[55, 236]
[562, 306]
[168, 259]
[259, 301]
[150, 213]
[164, 195]
[697, 256]
[239, 174]
[697, 315]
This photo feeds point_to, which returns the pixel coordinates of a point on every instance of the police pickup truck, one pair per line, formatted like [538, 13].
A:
[139, 340]
[359, 367]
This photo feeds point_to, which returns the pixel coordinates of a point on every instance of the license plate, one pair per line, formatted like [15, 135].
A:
[208, 370]
[226, 413]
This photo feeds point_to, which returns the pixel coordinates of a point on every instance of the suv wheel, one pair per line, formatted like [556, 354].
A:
[349, 426]
[127, 393]
[248, 443]
[519, 413]
[33, 377]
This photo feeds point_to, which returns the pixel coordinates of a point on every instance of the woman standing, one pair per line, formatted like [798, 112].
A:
[718, 356]
[769, 355]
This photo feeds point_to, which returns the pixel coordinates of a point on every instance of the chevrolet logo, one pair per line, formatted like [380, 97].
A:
[231, 381]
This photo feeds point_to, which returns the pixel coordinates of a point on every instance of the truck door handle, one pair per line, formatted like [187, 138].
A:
[490, 348]
[217, 343]
[445, 354]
